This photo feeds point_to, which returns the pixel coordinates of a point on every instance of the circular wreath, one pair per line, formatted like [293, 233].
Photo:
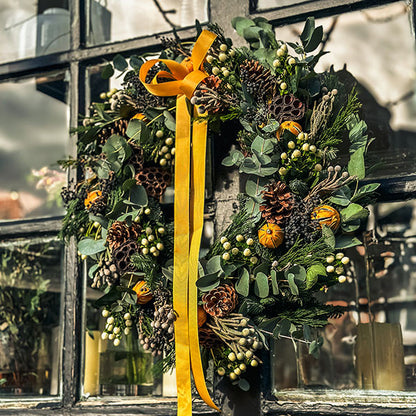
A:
[299, 211]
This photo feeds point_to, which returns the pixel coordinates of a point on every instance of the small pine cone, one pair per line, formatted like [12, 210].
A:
[277, 203]
[220, 301]
[258, 80]
[120, 232]
[117, 127]
[286, 108]
[122, 256]
[208, 339]
[155, 180]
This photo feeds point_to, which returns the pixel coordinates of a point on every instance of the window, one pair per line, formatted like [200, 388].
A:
[48, 75]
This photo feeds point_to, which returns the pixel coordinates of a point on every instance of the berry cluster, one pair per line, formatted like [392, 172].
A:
[165, 148]
[240, 250]
[116, 325]
[336, 266]
[151, 242]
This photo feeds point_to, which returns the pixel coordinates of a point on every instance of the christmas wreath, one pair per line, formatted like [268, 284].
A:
[299, 211]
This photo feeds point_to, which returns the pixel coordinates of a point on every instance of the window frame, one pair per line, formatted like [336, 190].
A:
[77, 60]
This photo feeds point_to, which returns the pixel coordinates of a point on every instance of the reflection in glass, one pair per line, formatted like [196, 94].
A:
[373, 345]
[257, 5]
[33, 28]
[378, 47]
[112, 20]
[33, 135]
[30, 286]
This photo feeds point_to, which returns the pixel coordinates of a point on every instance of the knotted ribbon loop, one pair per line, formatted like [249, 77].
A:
[181, 80]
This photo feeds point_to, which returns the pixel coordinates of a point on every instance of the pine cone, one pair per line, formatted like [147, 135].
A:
[208, 339]
[220, 301]
[122, 256]
[286, 108]
[277, 203]
[117, 127]
[258, 80]
[120, 232]
[155, 180]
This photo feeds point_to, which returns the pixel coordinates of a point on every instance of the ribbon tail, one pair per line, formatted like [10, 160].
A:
[199, 141]
[180, 257]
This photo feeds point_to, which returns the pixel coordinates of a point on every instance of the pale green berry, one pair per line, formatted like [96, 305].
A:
[249, 354]
[96, 224]
[250, 241]
[210, 59]
[245, 332]
[226, 256]
[110, 320]
[223, 47]
[226, 73]
[305, 147]
[254, 260]
[145, 241]
[156, 253]
[126, 331]
[159, 134]
[282, 171]
[283, 156]
[168, 156]
[301, 136]
[172, 152]
[312, 148]
[147, 211]
[235, 251]
[164, 149]
[339, 256]
[242, 341]
[226, 245]
[240, 356]
[169, 141]
[84, 257]
[296, 153]
[223, 240]
[240, 238]
[342, 279]
[345, 260]
[291, 145]
[232, 52]
[127, 316]
[103, 95]
[215, 70]
[247, 252]
[104, 335]
[254, 363]
[243, 367]
[153, 249]
[222, 57]
[129, 322]
[109, 327]
[161, 230]
[151, 238]
[145, 250]
[231, 356]
[160, 246]
[116, 342]
[330, 259]
[276, 63]
[111, 337]
[221, 371]
[163, 162]
[237, 371]
[116, 330]
[105, 313]
[318, 167]
[339, 270]
[291, 61]
[233, 376]
[330, 269]
[280, 52]
[283, 86]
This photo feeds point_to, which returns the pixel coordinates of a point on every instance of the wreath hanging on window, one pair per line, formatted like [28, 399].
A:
[299, 212]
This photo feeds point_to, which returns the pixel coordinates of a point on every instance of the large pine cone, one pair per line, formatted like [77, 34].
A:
[207, 338]
[220, 301]
[120, 232]
[122, 256]
[258, 80]
[154, 180]
[277, 203]
[117, 127]
[286, 108]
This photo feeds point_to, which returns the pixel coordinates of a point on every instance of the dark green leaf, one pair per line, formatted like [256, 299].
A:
[356, 165]
[110, 297]
[282, 328]
[98, 218]
[252, 33]
[128, 184]
[170, 121]
[315, 39]
[353, 212]
[364, 191]
[88, 246]
[138, 196]
[136, 62]
[307, 30]
[120, 63]
[261, 285]
[275, 283]
[340, 198]
[138, 131]
[328, 236]
[271, 127]
[243, 285]
[299, 273]
[351, 226]
[307, 332]
[240, 23]
[345, 241]
[107, 71]
[235, 158]
[208, 282]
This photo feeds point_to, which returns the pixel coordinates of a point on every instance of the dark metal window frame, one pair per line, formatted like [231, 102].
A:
[76, 61]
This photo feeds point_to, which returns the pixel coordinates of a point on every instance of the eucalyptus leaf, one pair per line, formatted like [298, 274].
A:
[243, 384]
[353, 212]
[365, 191]
[315, 39]
[138, 131]
[208, 282]
[261, 285]
[312, 274]
[138, 195]
[92, 270]
[292, 285]
[170, 121]
[307, 30]
[120, 63]
[329, 236]
[89, 247]
[345, 241]
[243, 285]
[241, 23]
[275, 283]
[214, 265]
[107, 71]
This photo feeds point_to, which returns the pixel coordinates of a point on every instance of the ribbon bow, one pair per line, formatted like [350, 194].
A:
[189, 212]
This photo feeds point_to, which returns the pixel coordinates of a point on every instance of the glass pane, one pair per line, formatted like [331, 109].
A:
[30, 332]
[258, 5]
[33, 28]
[112, 20]
[33, 136]
[387, 90]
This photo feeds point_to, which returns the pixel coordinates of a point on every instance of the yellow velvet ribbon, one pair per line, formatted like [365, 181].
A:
[190, 155]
